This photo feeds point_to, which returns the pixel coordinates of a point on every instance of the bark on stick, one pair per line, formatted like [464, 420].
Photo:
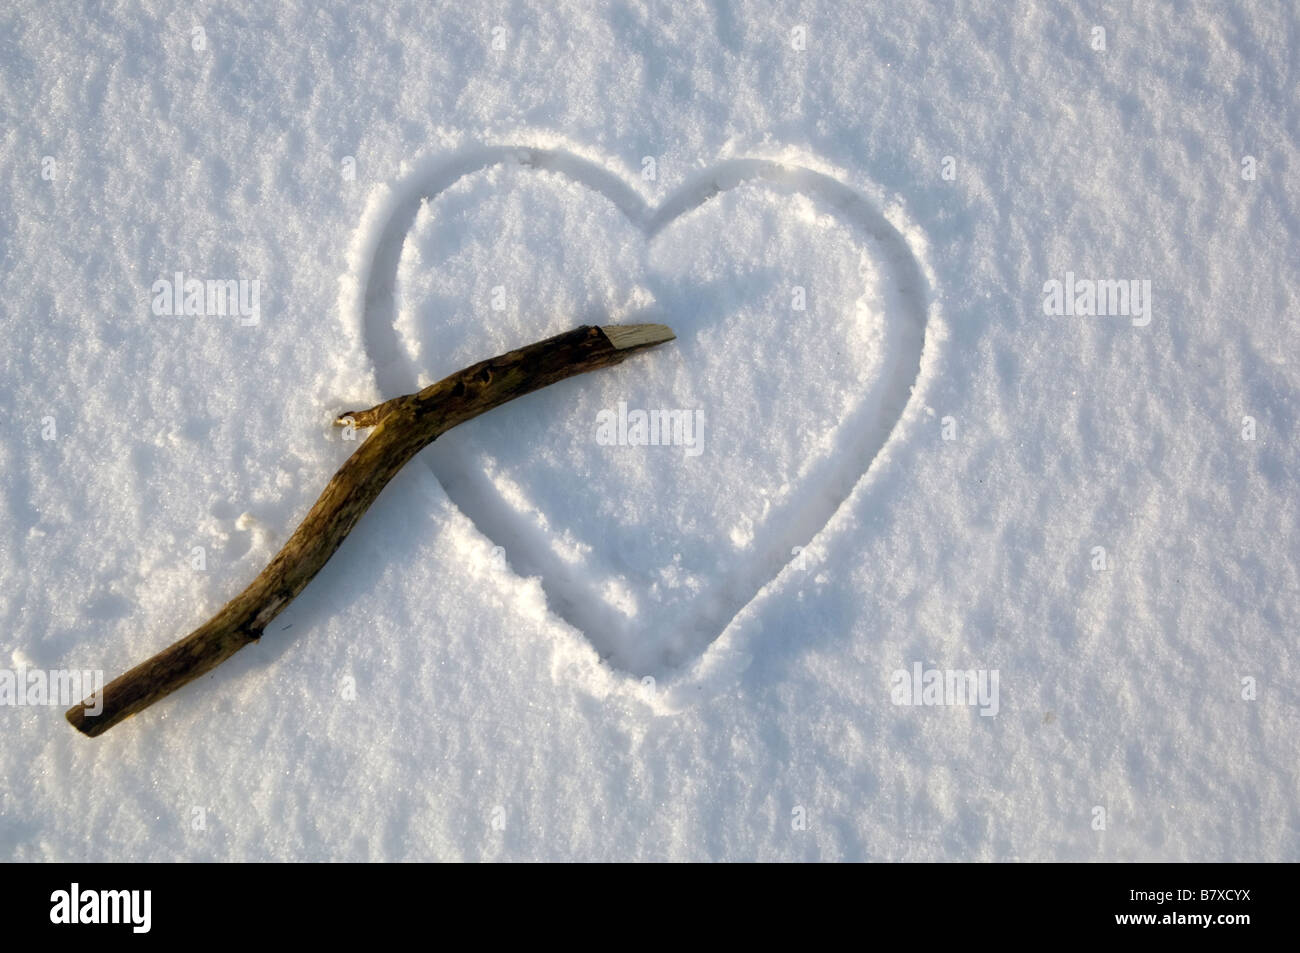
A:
[401, 428]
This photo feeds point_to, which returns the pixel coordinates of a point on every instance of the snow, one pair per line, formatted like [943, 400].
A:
[539, 644]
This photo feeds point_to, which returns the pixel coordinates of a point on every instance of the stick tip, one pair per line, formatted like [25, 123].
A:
[76, 716]
[625, 336]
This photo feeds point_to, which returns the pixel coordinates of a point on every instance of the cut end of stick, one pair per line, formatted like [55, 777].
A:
[87, 726]
[627, 336]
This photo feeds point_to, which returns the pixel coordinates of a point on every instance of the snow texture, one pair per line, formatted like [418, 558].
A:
[551, 640]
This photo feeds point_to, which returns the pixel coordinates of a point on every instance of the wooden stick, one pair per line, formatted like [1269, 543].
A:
[402, 427]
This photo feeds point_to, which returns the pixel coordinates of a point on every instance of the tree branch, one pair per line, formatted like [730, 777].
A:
[402, 427]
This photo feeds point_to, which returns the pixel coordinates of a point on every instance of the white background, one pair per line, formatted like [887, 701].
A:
[484, 725]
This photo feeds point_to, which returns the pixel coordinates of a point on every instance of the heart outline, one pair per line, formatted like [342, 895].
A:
[369, 295]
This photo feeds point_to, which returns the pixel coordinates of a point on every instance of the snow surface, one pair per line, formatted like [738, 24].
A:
[537, 646]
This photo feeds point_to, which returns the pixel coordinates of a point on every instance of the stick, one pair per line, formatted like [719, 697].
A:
[402, 427]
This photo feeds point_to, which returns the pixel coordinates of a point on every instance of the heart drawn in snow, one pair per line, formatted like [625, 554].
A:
[800, 314]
